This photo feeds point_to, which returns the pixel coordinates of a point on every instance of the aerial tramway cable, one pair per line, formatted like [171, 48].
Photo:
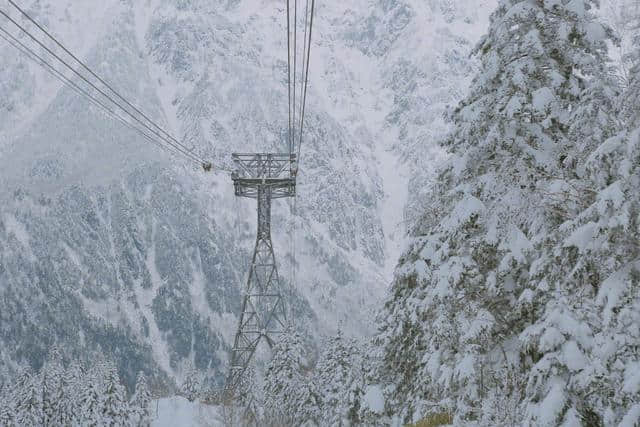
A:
[137, 110]
[297, 104]
[295, 137]
[68, 66]
[157, 130]
[304, 48]
[163, 137]
[306, 76]
[32, 55]
[290, 137]
[295, 63]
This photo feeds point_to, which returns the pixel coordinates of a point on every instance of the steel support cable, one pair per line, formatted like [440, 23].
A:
[161, 130]
[306, 79]
[304, 50]
[295, 62]
[290, 136]
[68, 81]
[295, 262]
[294, 267]
[178, 147]
[291, 265]
[305, 76]
[29, 53]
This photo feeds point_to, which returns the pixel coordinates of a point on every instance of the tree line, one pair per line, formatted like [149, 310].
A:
[73, 395]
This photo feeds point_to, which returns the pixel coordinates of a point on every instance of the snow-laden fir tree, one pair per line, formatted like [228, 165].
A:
[73, 388]
[29, 404]
[464, 289]
[115, 408]
[64, 408]
[290, 396]
[631, 97]
[6, 415]
[371, 403]
[586, 341]
[564, 384]
[191, 385]
[90, 399]
[52, 394]
[588, 337]
[7, 405]
[340, 381]
[140, 401]
[49, 385]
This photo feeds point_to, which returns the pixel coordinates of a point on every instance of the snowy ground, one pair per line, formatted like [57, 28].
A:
[178, 411]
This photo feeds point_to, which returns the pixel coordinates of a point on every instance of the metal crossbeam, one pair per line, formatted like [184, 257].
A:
[273, 172]
[261, 176]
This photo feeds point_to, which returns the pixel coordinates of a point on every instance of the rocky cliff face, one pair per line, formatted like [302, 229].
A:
[108, 245]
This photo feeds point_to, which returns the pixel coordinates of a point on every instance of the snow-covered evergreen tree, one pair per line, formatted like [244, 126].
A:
[7, 405]
[73, 382]
[372, 411]
[191, 385]
[631, 97]
[340, 381]
[290, 397]
[52, 396]
[587, 362]
[139, 406]
[470, 282]
[48, 387]
[6, 415]
[115, 408]
[29, 400]
[90, 402]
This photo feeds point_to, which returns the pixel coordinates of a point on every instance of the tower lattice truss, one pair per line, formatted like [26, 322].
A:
[262, 177]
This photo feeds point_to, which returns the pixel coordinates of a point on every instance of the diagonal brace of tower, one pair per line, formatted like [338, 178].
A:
[261, 176]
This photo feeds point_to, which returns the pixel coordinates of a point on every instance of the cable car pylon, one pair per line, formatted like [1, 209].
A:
[264, 177]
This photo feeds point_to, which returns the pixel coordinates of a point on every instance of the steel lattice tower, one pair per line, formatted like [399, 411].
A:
[263, 177]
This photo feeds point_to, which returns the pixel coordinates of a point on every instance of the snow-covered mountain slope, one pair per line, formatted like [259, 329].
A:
[109, 245]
